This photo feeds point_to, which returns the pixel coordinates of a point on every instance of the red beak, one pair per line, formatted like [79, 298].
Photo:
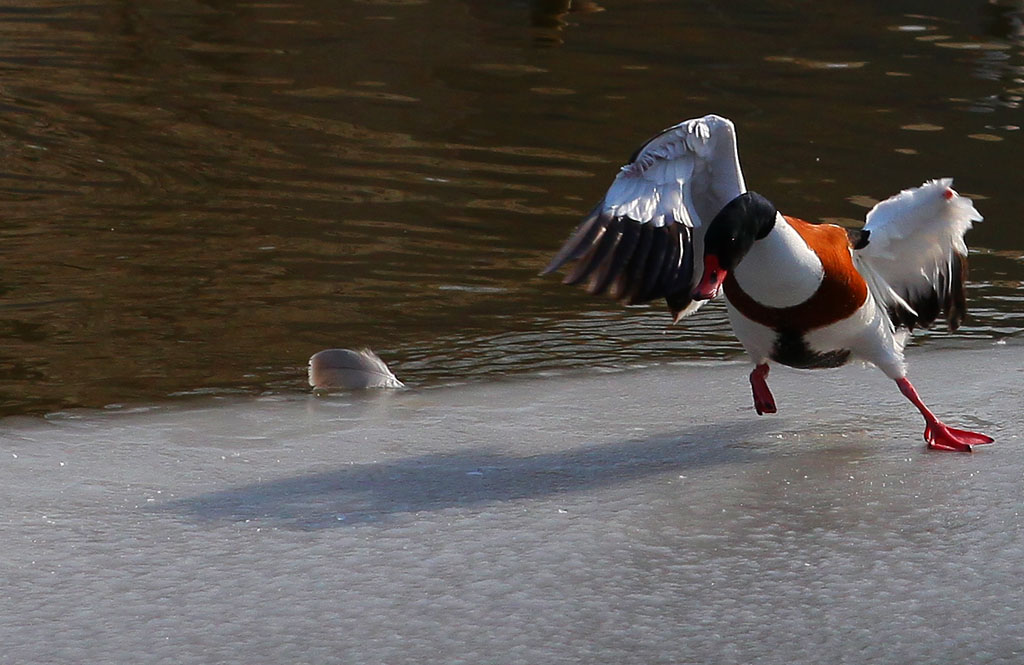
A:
[711, 281]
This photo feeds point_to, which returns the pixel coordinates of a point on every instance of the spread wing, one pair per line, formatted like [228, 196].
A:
[915, 258]
[644, 240]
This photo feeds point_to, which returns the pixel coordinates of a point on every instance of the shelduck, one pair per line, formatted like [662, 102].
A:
[678, 223]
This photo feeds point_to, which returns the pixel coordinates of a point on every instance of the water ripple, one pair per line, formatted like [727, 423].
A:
[198, 196]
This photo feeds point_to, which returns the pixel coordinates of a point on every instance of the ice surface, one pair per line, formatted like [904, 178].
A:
[637, 517]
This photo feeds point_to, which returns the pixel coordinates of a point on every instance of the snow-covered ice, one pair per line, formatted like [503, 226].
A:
[646, 516]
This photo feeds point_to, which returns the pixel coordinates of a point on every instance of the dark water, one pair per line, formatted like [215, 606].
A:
[197, 195]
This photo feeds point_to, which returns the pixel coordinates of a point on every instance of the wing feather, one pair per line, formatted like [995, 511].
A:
[643, 240]
[630, 280]
[345, 368]
[616, 269]
[605, 271]
[648, 288]
[915, 257]
[579, 242]
[673, 258]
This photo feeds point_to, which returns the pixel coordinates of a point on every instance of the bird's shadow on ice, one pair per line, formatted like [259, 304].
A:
[364, 494]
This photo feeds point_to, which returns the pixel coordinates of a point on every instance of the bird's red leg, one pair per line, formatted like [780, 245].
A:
[763, 400]
[939, 435]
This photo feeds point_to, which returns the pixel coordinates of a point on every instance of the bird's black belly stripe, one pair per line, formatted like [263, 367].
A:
[791, 349]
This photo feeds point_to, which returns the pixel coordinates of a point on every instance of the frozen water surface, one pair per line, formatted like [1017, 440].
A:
[645, 516]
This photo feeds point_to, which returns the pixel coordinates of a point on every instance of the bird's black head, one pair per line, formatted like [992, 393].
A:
[732, 232]
[730, 235]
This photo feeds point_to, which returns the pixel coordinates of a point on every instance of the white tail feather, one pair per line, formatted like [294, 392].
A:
[915, 244]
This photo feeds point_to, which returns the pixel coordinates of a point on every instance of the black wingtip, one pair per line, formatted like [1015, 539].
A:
[631, 261]
[956, 303]
[947, 298]
[858, 238]
[579, 242]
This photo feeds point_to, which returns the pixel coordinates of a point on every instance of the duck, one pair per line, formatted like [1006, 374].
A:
[678, 223]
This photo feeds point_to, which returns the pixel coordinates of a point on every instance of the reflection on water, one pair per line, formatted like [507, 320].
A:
[198, 195]
[551, 17]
